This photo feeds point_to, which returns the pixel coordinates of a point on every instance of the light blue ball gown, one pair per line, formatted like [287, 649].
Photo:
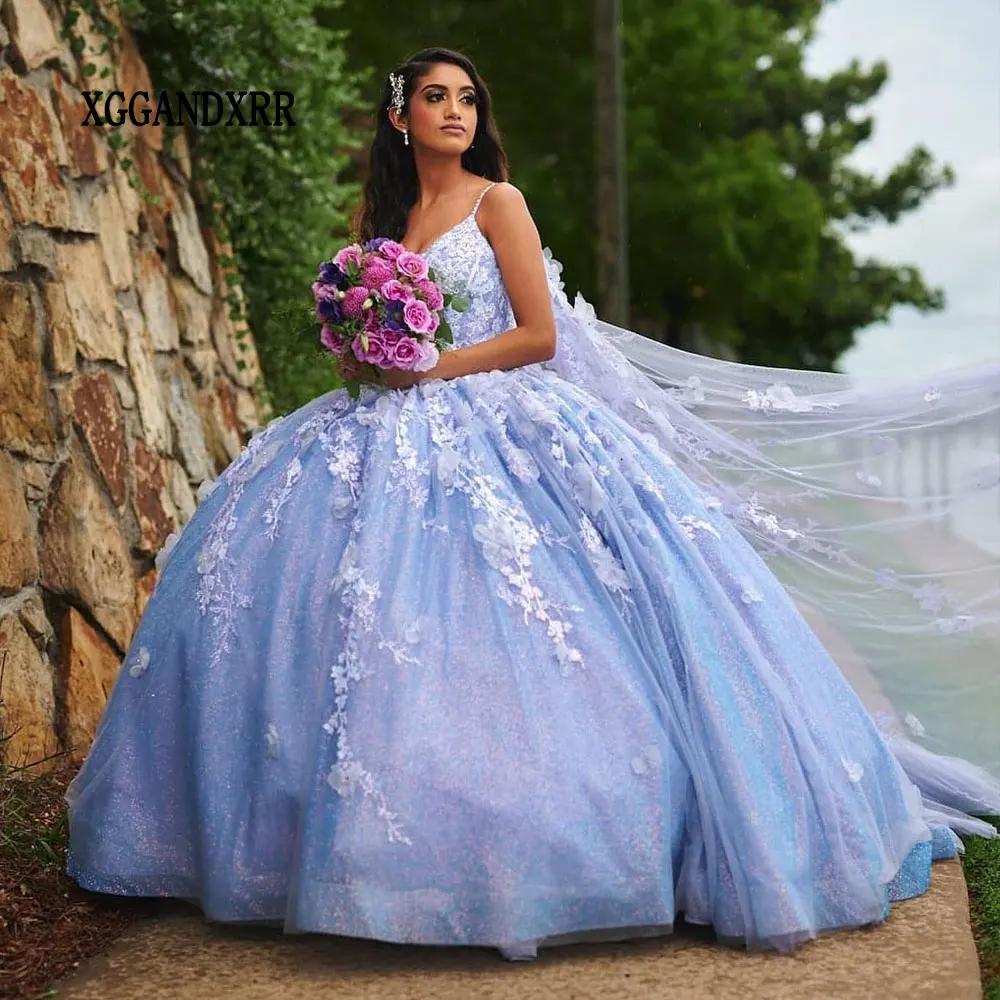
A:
[475, 663]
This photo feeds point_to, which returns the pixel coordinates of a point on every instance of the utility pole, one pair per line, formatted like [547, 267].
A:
[612, 211]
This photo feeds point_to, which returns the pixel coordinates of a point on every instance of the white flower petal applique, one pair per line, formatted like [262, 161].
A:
[271, 740]
[781, 397]
[607, 565]
[689, 524]
[648, 762]
[139, 662]
[855, 770]
[932, 394]
[915, 726]
[749, 592]
[868, 479]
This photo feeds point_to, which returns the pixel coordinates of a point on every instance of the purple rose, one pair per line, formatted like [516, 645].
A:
[390, 249]
[329, 310]
[376, 354]
[431, 293]
[375, 243]
[352, 254]
[412, 265]
[417, 316]
[377, 272]
[394, 290]
[394, 316]
[352, 300]
[428, 358]
[330, 274]
[331, 340]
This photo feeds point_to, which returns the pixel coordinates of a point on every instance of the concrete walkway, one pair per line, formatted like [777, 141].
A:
[925, 951]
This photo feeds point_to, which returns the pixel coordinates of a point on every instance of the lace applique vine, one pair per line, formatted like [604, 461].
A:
[357, 618]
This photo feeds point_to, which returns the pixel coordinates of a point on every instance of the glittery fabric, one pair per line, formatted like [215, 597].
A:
[476, 663]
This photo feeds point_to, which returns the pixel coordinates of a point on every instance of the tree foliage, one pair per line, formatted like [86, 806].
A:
[278, 193]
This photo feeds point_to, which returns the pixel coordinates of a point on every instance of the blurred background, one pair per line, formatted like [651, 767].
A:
[796, 183]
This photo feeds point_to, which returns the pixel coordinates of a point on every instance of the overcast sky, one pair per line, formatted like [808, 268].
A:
[944, 92]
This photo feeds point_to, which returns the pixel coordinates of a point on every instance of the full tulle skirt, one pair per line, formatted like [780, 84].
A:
[476, 663]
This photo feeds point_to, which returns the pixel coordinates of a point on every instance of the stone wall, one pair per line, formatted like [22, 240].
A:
[123, 381]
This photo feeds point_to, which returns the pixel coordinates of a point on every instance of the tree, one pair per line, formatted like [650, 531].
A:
[738, 165]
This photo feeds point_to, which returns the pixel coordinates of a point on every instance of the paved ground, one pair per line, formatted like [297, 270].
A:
[925, 951]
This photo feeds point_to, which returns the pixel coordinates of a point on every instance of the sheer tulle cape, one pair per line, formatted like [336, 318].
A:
[876, 502]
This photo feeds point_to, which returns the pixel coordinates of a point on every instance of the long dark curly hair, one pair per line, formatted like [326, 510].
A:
[391, 188]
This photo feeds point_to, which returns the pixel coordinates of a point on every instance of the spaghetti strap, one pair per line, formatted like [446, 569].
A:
[475, 208]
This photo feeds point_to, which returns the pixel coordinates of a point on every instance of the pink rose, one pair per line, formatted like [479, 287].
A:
[330, 339]
[431, 293]
[429, 356]
[390, 249]
[372, 321]
[352, 253]
[376, 353]
[377, 272]
[412, 265]
[351, 302]
[435, 323]
[394, 290]
[405, 353]
[417, 316]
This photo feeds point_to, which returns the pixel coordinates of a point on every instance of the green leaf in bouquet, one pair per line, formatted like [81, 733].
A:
[353, 389]
[460, 303]
[443, 333]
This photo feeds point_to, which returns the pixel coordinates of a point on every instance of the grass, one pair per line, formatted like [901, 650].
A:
[981, 863]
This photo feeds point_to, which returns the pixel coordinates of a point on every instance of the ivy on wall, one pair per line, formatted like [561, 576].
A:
[276, 195]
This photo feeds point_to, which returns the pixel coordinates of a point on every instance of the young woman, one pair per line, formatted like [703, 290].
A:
[493, 654]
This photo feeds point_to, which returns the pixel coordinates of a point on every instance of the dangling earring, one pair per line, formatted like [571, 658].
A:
[406, 138]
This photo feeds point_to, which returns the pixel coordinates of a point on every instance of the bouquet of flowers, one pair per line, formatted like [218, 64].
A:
[381, 306]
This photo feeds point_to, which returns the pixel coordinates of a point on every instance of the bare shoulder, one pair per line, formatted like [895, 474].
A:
[502, 198]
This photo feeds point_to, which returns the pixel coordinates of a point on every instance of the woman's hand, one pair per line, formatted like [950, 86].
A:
[351, 369]
[398, 378]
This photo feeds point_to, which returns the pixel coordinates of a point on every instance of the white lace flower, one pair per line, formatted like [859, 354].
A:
[140, 662]
[345, 776]
[932, 395]
[914, 725]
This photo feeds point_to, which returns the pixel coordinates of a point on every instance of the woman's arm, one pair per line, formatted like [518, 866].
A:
[506, 222]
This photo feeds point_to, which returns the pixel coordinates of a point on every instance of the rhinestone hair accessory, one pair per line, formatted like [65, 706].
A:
[396, 82]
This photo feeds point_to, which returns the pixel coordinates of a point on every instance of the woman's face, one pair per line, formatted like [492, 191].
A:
[442, 110]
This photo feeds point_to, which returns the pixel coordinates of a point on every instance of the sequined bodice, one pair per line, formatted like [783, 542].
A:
[463, 261]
